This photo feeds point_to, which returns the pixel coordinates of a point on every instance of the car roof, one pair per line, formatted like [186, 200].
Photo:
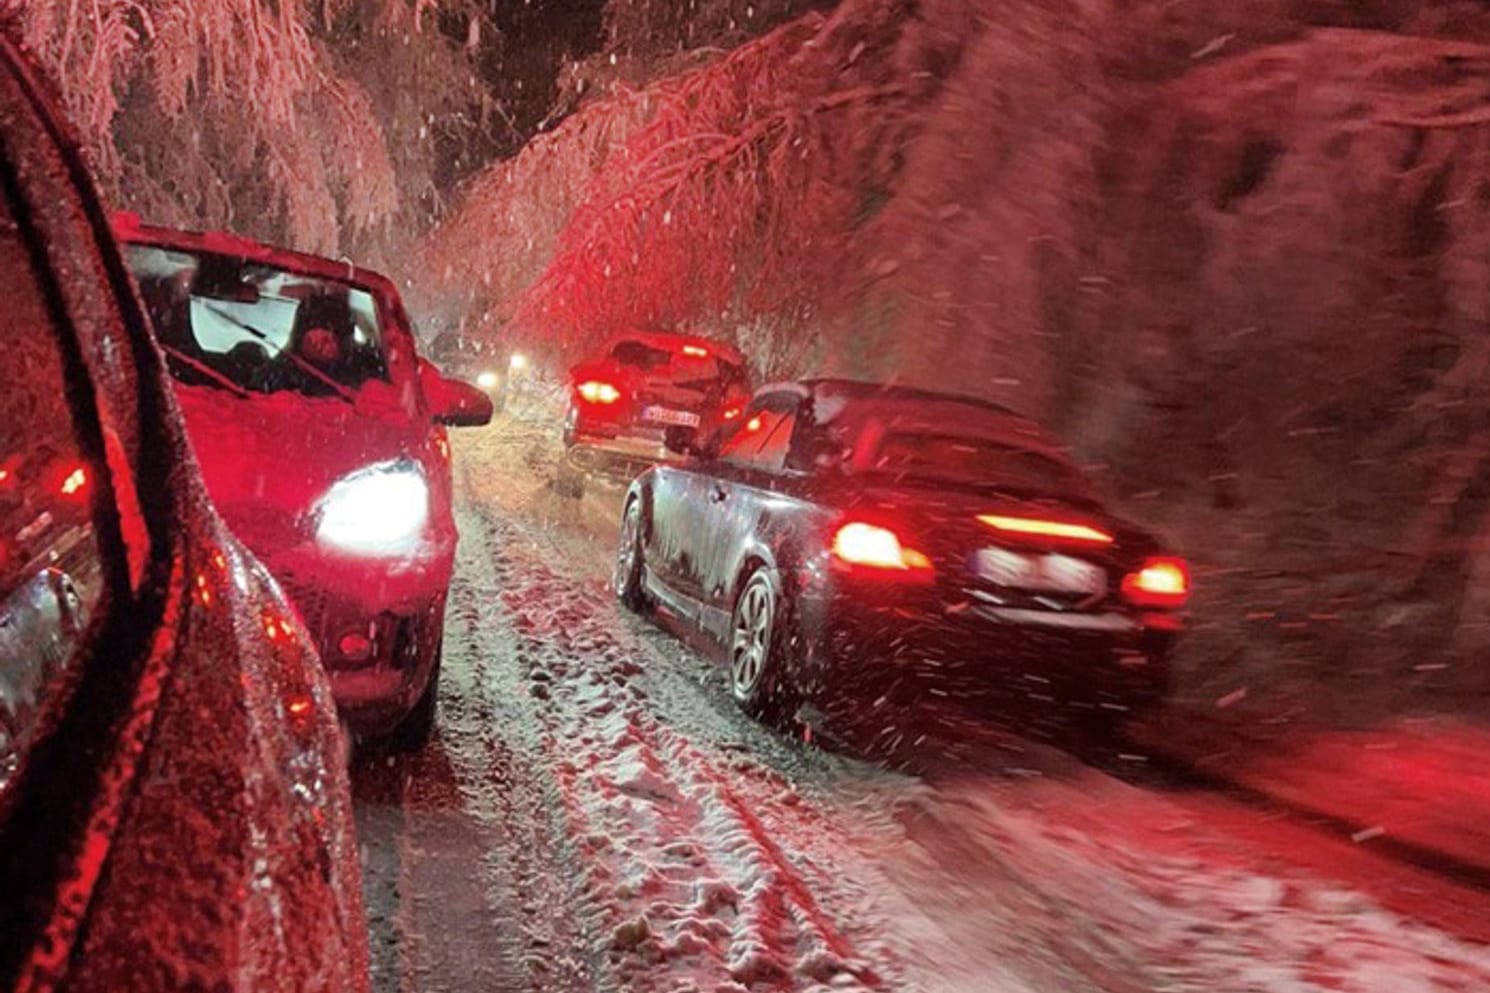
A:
[130, 229]
[859, 389]
[1005, 422]
[674, 339]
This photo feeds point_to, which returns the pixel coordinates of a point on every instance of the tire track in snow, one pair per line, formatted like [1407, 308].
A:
[675, 852]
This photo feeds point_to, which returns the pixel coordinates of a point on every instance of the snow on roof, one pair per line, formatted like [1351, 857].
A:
[676, 340]
[129, 228]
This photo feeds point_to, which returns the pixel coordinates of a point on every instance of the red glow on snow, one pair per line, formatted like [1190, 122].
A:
[1048, 529]
[861, 544]
[1162, 582]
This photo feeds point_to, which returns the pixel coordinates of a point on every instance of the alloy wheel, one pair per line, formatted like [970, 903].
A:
[750, 644]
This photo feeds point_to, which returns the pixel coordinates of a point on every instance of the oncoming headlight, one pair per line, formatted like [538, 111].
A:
[380, 510]
[488, 380]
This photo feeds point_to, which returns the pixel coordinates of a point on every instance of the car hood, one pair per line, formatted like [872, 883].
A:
[269, 458]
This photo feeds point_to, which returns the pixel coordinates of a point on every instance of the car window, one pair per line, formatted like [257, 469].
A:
[763, 437]
[51, 574]
[969, 460]
[638, 355]
[245, 325]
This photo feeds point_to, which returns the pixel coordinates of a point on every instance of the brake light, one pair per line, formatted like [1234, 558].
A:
[874, 547]
[1048, 529]
[731, 413]
[696, 351]
[1161, 582]
[596, 391]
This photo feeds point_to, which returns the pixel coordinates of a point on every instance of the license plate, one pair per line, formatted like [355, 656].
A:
[663, 415]
[1041, 573]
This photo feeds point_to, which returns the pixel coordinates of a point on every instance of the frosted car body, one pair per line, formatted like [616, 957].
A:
[174, 808]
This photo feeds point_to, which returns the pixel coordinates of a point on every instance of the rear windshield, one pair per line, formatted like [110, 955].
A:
[687, 365]
[236, 324]
[971, 461]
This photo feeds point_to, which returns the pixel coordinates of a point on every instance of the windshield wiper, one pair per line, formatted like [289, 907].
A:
[279, 352]
[204, 369]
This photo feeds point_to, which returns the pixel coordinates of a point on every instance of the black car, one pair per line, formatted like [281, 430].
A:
[487, 364]
[848, 535]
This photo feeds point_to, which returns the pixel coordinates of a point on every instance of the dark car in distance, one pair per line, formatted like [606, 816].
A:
[471, 359]
[844, 534]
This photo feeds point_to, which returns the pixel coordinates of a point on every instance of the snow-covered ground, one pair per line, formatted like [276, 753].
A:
[594, 814]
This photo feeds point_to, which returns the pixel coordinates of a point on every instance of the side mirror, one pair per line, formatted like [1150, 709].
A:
[453, 402]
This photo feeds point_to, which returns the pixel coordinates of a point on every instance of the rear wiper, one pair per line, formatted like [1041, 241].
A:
[204, 369]
[279, 352]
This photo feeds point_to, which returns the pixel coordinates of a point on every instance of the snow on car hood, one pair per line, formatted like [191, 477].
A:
[268, 458]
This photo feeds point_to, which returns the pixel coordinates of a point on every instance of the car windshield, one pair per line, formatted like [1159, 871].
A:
[973, 461]
[249, 326]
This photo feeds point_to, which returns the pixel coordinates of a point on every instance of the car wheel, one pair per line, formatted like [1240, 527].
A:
[756, 677]
[568, 480]
[414, 730]
[627, 578]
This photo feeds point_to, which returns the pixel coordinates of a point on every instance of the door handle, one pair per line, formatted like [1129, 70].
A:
[718, 494]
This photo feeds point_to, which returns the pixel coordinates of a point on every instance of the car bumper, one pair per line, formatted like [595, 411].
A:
[624, 454]
[1050, 661]
[378, 638]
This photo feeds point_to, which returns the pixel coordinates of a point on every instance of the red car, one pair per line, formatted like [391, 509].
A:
[321, 434]
[621, 404]
[174, 808]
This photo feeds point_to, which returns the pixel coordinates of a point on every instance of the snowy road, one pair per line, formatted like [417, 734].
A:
[595, 815]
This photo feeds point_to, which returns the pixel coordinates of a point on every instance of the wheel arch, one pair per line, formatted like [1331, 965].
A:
[754, 556]
[640, 491]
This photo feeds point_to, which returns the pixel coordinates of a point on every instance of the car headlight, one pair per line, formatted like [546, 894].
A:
[488, 380]
[380, 510]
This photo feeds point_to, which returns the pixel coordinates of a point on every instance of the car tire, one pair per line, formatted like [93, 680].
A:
[626, 580]
[757, 677]
[568, 480]
[419, 723]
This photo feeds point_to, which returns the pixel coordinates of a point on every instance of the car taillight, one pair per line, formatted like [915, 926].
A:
[1049, 529]
[596, 391]
[872, 547]
[730, 413]
[1160, 582]
[696, 351]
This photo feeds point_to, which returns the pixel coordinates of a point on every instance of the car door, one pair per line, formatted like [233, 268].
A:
[729, 502]
[174, 810]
